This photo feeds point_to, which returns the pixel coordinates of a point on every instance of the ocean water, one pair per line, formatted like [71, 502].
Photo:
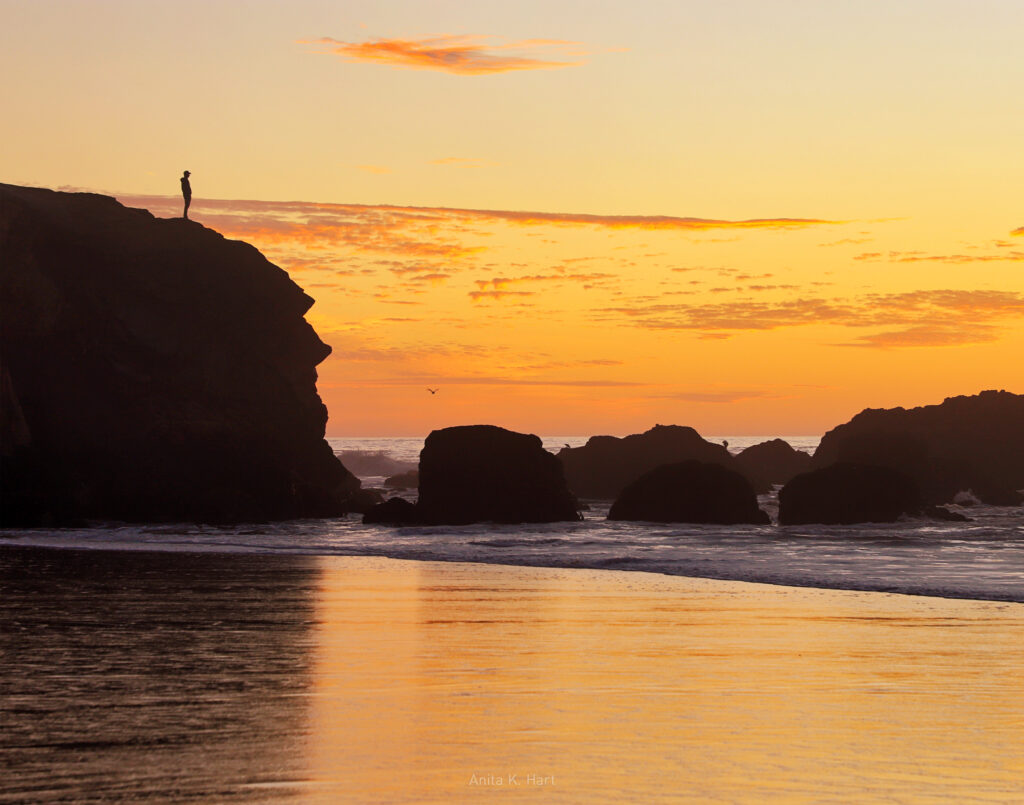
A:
[982, 559]
[157, 677]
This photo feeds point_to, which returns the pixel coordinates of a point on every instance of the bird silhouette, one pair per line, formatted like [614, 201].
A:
[433, 391]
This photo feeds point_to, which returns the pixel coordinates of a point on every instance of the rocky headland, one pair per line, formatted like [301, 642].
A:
[153, 370]
[968, 443]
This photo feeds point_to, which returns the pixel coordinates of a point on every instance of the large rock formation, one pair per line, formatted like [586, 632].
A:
[689, 492]
[606, 464]
[482, 473]
[153, 371]
[770, 463]
[974, 443]
[847, 493]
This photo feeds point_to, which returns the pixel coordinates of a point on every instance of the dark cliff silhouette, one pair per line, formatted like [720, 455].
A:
[968, 442]
[153, 371]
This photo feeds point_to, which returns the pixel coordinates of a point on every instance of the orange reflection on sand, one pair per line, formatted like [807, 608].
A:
[443, 682]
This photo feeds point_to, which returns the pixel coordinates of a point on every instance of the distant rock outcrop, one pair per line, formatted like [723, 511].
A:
[404, 480]
[967, 443]
[770, 463]
[393, 511]
[603, 467]
[363, 500]
[479, 473]
[689, 492]
[847, 493]
[153, 371]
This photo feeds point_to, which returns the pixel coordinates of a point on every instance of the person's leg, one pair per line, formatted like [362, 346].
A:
[188, 201]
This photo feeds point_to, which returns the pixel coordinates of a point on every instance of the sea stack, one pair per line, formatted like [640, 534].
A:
[969, 443]
[483, 473]
[605, 465]
[847, 493]
[690, 492]
[153, 371]
[478, 473]
[769, 463]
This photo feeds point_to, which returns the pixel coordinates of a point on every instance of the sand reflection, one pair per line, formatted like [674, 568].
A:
[445, 682]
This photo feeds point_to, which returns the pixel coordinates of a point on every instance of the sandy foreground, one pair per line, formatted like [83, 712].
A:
[143, 676]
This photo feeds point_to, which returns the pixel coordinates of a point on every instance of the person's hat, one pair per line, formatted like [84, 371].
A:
[188, 173]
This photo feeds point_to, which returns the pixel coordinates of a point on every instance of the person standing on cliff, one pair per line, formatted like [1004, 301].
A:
[186, 192]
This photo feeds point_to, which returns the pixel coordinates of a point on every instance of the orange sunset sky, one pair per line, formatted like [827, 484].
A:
[750, 217]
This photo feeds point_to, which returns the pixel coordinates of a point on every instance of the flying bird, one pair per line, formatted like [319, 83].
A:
[433, 391]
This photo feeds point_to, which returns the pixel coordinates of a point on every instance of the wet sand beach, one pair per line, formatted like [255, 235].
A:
[216, 677]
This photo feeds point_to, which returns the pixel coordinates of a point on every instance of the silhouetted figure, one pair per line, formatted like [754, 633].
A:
[186, 192]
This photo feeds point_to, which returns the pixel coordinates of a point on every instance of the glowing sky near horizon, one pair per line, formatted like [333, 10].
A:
[574, 217]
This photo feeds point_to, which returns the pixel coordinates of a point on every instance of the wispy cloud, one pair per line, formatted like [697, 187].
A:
[458, 54]
[1018, 231]
[496, 295]
[924, 257]
[714, 396]
[433, 277]
[318, 215]
[424, 239]
[642, 221]
[916, 318]
[443, 380]
[380, 170]
[502, 283]
[845, 242]
[927, 335]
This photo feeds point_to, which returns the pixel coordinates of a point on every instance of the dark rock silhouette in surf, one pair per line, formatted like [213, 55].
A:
[966, 443]
[363, 500]
[483, 473]
[403, 480]
[689, 492]
[393, 511]
[153, 371]
[769, 463]
[846, 493]
[605, 465]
